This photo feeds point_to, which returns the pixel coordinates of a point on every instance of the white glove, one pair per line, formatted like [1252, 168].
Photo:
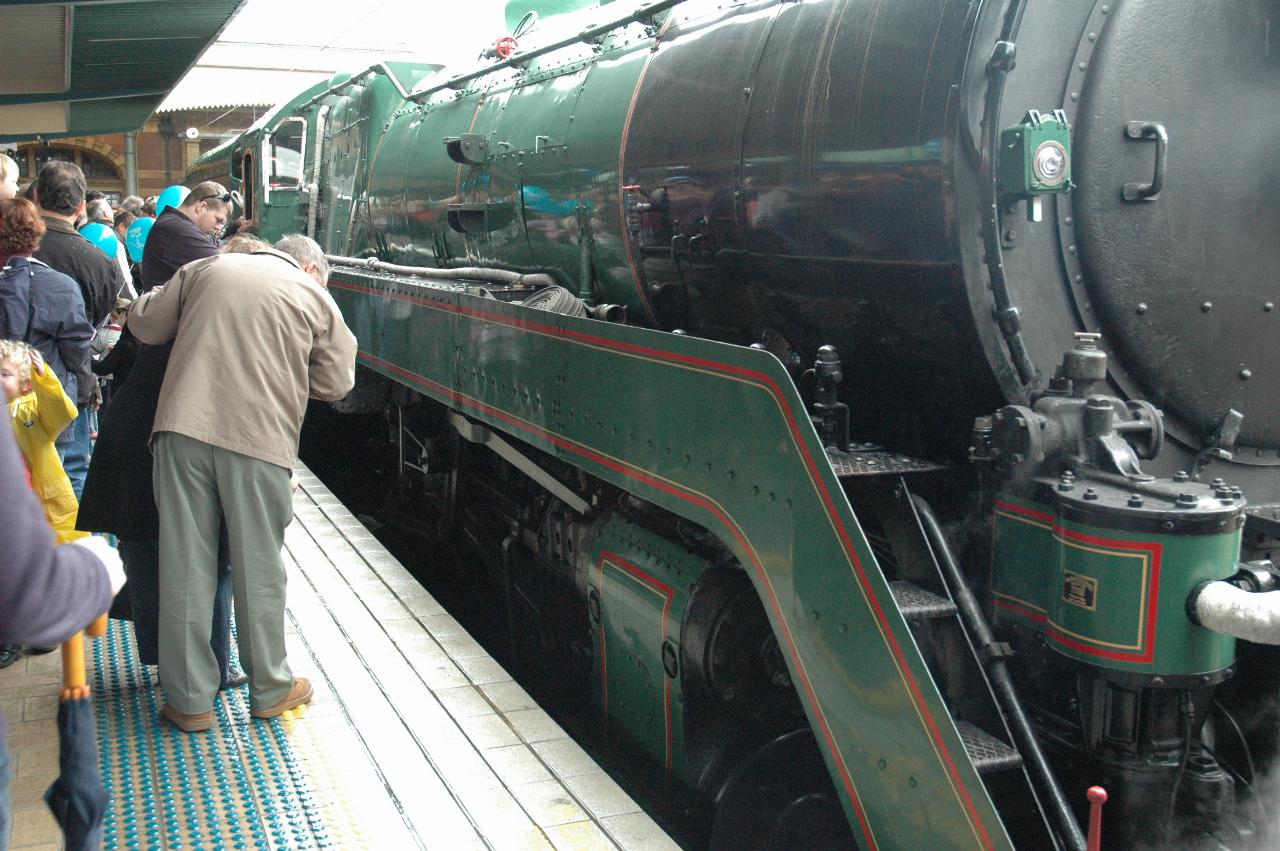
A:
[110, 559]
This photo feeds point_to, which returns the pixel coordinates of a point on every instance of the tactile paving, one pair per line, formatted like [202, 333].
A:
[237, 786]
[407, 743]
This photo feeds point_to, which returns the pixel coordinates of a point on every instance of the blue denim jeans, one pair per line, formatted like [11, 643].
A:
[142, 566]
[75, 451]
[6, 803]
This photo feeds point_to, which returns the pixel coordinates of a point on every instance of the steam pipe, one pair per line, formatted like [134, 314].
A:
[464, 273]
[976, 625]
[1228, 609]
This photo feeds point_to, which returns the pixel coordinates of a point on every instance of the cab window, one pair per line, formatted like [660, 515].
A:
[284, 167]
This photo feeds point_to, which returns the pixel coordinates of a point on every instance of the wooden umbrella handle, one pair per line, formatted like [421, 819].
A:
[73, 678]
[98, 628]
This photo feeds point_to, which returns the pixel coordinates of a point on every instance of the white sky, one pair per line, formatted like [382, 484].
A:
[423, 27]
[318, 37]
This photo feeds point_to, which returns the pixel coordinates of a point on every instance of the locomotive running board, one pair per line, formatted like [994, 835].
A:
[717, 434]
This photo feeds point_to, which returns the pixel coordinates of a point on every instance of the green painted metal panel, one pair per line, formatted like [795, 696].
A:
[583, 180]
[643, 584]
[649, 412]
[345, 145]
[435, 179]
[357, 118]
[1110, 598]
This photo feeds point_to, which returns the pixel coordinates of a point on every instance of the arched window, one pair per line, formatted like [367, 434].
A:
[100, 173]
[97, 167]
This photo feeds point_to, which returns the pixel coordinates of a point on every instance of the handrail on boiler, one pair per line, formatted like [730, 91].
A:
[380, 67]
[519, 59]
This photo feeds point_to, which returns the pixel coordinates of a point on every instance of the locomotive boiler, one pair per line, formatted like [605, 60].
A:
[871, 406]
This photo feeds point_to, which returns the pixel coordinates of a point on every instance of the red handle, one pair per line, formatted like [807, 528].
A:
[505, 47]
[1097, 797]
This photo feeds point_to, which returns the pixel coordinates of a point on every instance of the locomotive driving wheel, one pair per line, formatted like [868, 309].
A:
[779, 797]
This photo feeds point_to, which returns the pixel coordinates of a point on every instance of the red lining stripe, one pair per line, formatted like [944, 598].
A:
[767, 383]
[1021, 610]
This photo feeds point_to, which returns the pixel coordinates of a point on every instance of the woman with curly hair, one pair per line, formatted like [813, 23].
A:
[38, 305]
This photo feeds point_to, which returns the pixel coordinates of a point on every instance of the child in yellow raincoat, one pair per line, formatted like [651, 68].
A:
[40, 410]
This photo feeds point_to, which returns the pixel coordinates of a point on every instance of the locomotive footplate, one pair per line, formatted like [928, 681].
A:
[868, 459]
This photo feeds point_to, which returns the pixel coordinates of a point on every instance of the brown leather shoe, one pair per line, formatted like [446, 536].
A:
[298, 695]
[193, 723]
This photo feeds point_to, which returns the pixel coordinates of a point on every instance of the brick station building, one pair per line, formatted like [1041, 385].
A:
[165, 149]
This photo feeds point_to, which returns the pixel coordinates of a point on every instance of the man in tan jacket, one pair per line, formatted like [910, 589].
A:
[254, 336]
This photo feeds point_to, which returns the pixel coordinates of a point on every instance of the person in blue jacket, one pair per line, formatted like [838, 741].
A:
[38, 305]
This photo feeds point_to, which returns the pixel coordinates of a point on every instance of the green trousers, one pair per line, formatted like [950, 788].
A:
[198, 486]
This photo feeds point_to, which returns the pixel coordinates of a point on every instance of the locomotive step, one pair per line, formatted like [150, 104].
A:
[867, 459]
[916, 603]
[987, 753]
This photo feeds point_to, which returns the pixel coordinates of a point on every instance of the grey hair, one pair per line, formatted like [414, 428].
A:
[100, 211]
[305, 250]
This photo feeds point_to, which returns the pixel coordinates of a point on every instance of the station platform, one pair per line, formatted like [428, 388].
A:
[416, 737]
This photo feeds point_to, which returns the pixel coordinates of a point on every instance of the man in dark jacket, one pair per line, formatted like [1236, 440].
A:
[60, 190]
[50, 592]
[185, 233]
[118, 494]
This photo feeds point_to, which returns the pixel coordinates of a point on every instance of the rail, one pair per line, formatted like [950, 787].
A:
[379, 67]
[588, 34]
[1059, 810]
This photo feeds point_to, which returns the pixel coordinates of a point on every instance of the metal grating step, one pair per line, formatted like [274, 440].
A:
[916, 603]
[987, 753]
[867, 459]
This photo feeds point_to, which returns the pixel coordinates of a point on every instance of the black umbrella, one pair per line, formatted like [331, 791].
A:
[77, 798]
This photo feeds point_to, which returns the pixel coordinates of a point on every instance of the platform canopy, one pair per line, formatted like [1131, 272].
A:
[89, 67]
[276, 48]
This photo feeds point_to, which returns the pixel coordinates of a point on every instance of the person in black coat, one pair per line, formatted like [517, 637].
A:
[118, 496]
[118, 362]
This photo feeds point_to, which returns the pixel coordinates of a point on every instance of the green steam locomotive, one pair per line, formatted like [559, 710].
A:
[870, 404]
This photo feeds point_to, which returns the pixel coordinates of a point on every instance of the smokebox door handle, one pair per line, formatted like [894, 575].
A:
[1153, 130]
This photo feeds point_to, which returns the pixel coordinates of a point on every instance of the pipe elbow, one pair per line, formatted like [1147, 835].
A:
[1224, 608]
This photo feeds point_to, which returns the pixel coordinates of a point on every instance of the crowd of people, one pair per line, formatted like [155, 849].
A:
[156, 405]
